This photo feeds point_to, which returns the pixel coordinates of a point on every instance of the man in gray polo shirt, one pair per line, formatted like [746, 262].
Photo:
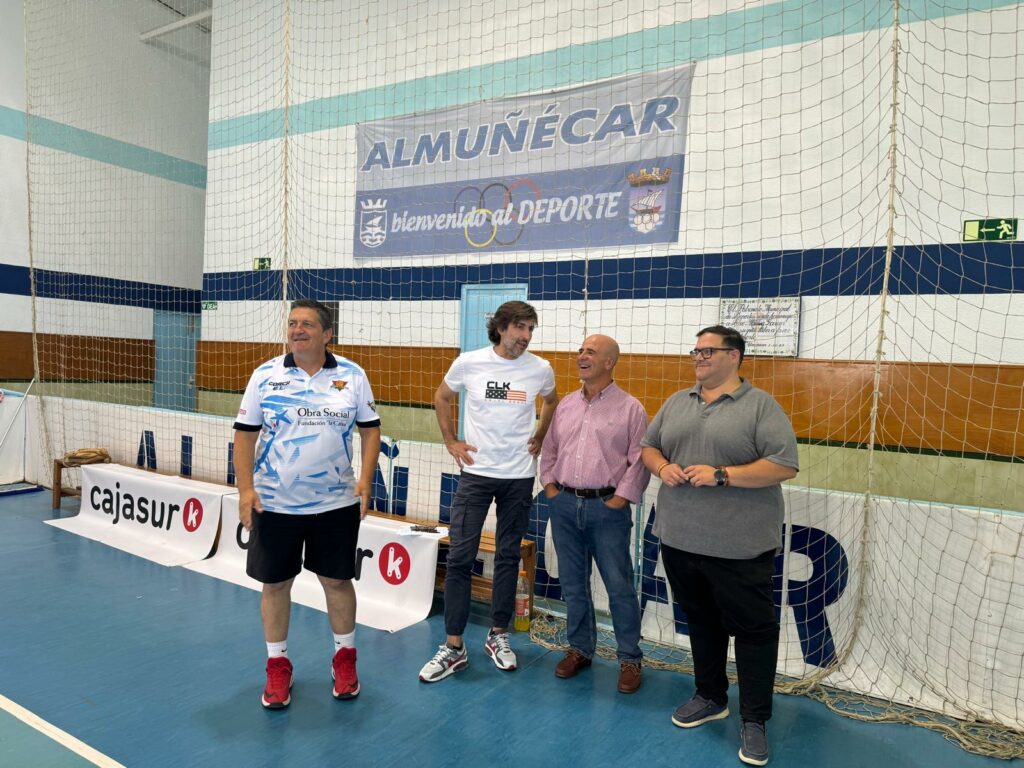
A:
[721, 449]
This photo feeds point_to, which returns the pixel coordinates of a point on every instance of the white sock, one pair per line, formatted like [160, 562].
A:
[344, 641]
[277, 650]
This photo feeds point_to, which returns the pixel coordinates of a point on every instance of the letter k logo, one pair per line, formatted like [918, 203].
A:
[193, 516]
[394, 563]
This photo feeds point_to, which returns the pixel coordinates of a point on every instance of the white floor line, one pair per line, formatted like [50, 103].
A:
[64, 739]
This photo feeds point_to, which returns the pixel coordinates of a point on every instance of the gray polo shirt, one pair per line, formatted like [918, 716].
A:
[738, 428]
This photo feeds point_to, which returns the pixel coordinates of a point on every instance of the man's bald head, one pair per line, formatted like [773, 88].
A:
[597, 358]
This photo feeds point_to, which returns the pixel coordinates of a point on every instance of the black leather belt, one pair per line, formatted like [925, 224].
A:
[586, 493]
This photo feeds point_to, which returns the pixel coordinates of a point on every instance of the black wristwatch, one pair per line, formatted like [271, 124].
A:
[721, 476]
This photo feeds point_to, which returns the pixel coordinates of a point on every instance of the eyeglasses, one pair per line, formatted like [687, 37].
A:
[705, 353]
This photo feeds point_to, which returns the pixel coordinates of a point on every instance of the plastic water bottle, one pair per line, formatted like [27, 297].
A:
[522, 619]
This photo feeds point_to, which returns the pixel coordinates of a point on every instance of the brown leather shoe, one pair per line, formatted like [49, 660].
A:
[629, 677]
[570, 666]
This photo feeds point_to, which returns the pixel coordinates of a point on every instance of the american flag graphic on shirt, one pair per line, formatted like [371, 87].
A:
[502, 390]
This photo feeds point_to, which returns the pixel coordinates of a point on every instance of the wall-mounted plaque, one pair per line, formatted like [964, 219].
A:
[769, 326]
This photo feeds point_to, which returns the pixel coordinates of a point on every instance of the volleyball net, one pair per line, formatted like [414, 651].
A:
[837, 180]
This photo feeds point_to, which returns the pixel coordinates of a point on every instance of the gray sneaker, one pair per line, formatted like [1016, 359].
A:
[753, 743]
[447, 661]
[698, 711]
[500, 651]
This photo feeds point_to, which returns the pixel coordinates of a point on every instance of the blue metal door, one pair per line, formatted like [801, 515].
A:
[478, 304]
[175, 335]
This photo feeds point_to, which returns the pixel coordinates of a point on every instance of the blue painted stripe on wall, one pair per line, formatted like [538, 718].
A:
[970, 268]
[75, 141]
[727, 34]
[243, 286]
[12, 123]
[15, 280]
[109, 290]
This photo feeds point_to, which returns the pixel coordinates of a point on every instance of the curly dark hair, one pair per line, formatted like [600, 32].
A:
[507, 314]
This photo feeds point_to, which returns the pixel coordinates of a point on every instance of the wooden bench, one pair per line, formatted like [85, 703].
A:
[58, 482]
[73, 460]
[480, 587]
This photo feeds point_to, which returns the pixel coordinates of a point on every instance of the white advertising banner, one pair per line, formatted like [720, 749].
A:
[818, 602]
[169, 520]
[395, 570]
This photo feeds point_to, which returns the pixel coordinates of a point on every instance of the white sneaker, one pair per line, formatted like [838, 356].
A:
[500, 651]
[447, 661]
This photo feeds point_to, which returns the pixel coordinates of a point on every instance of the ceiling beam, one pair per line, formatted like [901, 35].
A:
[188, 21]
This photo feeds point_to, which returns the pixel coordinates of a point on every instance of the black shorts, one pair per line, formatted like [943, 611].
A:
[276, 541]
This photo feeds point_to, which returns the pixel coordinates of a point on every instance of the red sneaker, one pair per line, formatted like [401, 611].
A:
[277, 694]
[343, 672]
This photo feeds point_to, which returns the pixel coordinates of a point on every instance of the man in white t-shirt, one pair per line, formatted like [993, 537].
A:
[297, 492]
[500, 386]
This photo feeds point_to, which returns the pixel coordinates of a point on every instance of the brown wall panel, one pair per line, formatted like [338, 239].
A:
[403, 374]
[827, 400]
[934, 406]
[973, 408]
[225, 366]
[398, 374]
[77, 358]
[15, 356]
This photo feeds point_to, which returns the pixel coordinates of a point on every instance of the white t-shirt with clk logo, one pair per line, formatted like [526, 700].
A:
[500, 408]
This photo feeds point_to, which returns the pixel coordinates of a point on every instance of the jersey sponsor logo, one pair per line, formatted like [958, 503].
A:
[321, 413]
[322, 417]
[371, 405]
[279, 385]
[502, 390]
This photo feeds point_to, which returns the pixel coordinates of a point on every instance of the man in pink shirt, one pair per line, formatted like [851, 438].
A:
[591, 470]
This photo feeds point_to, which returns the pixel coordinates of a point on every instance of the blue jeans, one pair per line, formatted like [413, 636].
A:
[513, 501]
[585, 531]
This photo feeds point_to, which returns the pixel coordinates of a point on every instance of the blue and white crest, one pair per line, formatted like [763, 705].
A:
[373, 221]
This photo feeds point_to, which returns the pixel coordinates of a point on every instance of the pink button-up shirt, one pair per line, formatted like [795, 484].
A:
[596, 444]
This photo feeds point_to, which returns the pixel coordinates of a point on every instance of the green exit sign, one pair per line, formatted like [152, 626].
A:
[261, 263]
[990, 229]
[209, 305]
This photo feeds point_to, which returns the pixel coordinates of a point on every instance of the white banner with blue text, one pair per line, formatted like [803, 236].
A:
[594, 165]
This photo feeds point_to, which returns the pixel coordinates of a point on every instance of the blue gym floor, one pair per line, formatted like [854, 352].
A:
[157, 666]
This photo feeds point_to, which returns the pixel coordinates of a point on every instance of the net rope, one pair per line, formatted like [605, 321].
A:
[860, 157]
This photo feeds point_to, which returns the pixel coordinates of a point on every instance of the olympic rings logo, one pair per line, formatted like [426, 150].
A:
[493, 211]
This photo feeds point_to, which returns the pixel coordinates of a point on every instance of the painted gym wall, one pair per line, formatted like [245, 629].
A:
[15, 309]
[787, 151]
[118, 155]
